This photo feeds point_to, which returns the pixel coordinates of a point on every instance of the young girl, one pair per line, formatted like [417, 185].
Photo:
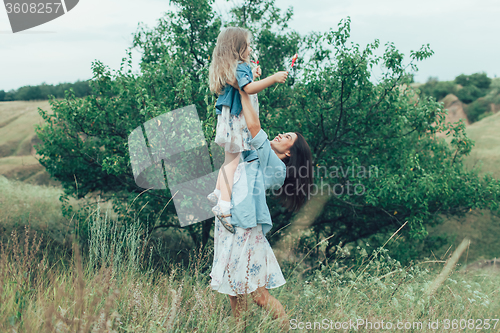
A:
[229, 69]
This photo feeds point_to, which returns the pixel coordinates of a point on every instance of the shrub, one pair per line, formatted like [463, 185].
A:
[476, 109]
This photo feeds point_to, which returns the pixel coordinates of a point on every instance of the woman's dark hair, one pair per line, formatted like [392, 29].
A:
[299, 175]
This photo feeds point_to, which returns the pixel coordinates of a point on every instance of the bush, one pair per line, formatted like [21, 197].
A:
[476, 109]
[469, 94]
[474, 86]
[438, 89]
[480, 80]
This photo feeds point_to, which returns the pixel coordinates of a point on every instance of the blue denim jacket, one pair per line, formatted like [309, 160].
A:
[249, 192]
[231, 96]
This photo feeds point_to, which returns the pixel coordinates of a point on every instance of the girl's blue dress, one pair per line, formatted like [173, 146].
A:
[232, 132]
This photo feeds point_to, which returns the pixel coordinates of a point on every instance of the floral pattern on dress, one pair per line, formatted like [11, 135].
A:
[232, 132]
[243, 261]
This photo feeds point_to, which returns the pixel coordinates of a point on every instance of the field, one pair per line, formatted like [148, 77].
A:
[49, 287]
[17, 135]
[111, 291]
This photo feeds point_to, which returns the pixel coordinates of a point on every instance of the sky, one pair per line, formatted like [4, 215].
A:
[462, 33]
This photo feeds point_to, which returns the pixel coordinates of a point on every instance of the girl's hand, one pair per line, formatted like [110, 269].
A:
[257, 72]
[280, 77]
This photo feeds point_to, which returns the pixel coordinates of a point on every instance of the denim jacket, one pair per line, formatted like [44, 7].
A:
[263, 170]
[231, 96]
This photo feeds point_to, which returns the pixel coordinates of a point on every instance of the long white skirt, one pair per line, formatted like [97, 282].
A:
[243, 261]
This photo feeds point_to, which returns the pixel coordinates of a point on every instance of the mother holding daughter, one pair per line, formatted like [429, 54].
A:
[244, 262]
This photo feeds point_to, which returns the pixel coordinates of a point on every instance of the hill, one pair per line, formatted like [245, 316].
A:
[17, 137]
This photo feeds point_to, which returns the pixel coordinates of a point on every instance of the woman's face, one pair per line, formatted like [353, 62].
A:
[282, 144]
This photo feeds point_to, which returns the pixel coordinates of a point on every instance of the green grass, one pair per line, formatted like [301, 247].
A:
[129, 295]
[481, 226]
[38, 206]
[486, 151]
[25, 204]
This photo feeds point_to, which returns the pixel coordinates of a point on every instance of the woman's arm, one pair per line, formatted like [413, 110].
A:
[251, 117]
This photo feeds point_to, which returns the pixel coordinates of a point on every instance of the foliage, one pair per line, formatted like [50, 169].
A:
[438, 89]
[351, 124]
[479, 80]
[477, 109]
[474, 86]
[469, 94]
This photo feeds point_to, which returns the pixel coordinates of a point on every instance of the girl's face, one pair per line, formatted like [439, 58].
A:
[248, 50]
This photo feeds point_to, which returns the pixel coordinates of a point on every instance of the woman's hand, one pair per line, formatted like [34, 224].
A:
[280, 77]
[251, 117]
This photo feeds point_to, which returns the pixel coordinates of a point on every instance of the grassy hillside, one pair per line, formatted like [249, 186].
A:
[480, 226]
[17, 156]
[486, 151]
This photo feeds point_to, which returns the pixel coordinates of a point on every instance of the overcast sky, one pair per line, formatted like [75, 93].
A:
[464, 35]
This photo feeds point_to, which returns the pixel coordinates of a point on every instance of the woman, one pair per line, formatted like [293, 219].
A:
[244, 262]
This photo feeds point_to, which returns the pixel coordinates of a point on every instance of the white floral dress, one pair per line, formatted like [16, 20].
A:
[243, 261]
[232, 132]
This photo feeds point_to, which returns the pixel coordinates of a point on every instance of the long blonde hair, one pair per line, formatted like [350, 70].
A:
[229, 50]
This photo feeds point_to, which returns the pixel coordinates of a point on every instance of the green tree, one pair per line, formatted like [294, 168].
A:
[86, 139]
[470, 93]
[480, 80]
[29, 93]
[438, 89]
[474, 86]
[347, 119]
[477, 108]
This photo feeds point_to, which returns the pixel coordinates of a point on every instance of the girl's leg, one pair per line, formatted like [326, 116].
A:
[263, 299]
[226, 175]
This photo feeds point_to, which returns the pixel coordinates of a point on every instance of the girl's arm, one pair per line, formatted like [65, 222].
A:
[257, 86]
[251, 117]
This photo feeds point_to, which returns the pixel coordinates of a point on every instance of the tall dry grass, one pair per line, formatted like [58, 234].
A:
[114, 288]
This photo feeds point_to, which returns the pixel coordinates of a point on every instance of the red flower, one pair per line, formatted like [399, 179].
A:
[294, 58]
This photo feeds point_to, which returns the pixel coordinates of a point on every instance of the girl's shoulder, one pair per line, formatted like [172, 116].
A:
[242, 64]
